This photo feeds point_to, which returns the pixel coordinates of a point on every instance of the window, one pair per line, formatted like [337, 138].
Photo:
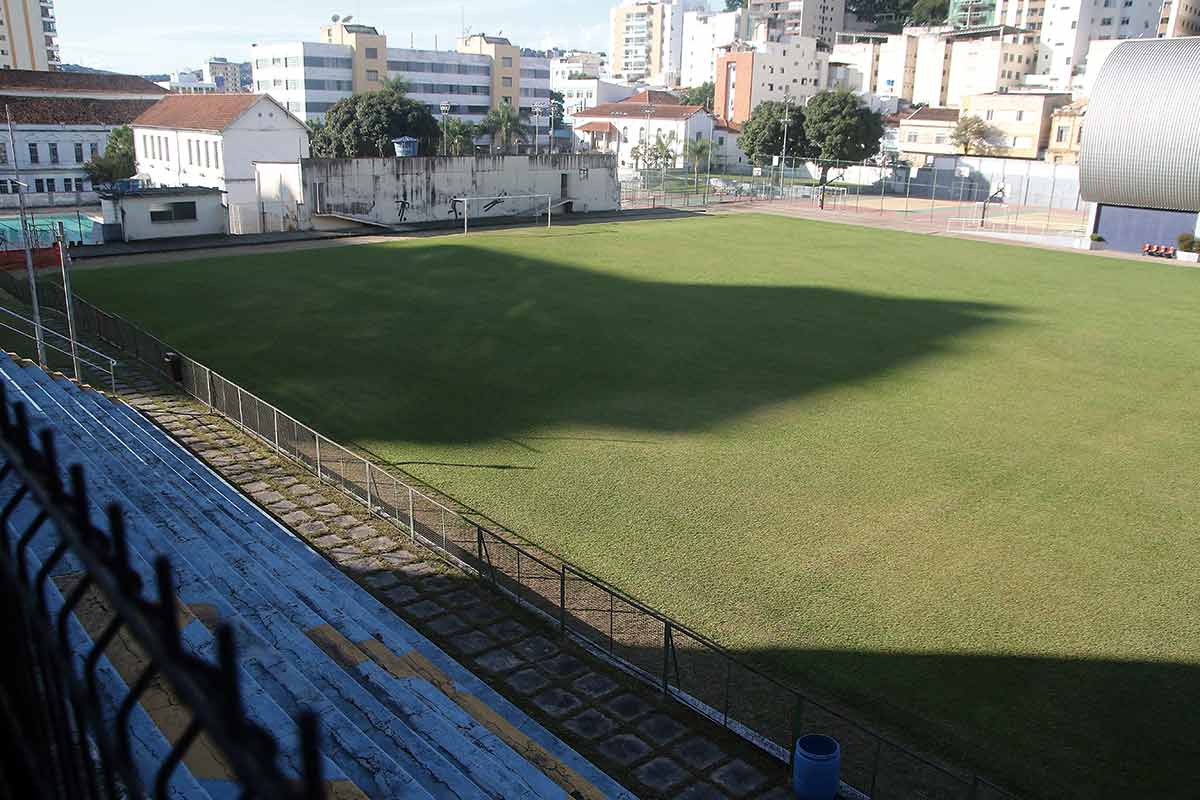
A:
[207, 156]
[372, 74]
[93, 150]
[372, 53]
[166, 149]
[191, 160]
[79, 184]
[3, 187]
[292, 84]
[939, 138]
[506, 82]
[3, 152]
[1124, 20]
[1020, 116]
[291, 61]
[53, 153]
[33, 153]
[1061, 135]
[625, 134]
[79, 152]
[506, 61]
[39, 185]
[1106, 21]
[174, 212]
[217, 155]
[911, 137]
[990, 114]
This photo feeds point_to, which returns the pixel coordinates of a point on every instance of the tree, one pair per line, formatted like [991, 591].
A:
[971, 133]
[762, 135]
[734, 5]
[505, 123]
[118, 161]
[701, 95]
[930, 12]
[696, 151]
[840, 128]
[458, 137]
[557, 109]
[364, 125]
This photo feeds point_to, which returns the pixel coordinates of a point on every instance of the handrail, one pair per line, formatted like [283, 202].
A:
[53, 332]
[110, 370]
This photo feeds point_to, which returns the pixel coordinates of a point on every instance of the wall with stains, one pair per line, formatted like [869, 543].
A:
[393, 191]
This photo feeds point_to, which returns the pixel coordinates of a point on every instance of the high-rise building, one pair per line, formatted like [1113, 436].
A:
[1071, 25]
[703, 33]
[226, 75]
[751, 73]
[482, 73]
[577, 64]
[647, 41]
[29, 35]
[1179, 18]
[782, 19]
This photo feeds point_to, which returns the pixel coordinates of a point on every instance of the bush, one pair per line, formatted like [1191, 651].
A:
[1097, 237]
[1188, 243]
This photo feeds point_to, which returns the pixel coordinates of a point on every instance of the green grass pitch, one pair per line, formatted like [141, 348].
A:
[951, 483]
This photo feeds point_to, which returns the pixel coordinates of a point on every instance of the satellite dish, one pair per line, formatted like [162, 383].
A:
[334, 18]
[347, 18]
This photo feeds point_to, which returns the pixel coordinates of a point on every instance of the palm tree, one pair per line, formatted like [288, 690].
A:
[697, 150]
[506, 123]
[459, 137]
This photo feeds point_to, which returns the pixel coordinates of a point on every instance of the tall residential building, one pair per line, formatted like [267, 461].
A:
[751, 73]
[703, 33]
[1179, 18]
[1071, 25]
[577, 64]
[984, 60]
[647, 41]
[482, 73]
[226, 75]
[782, 19]
[29, 35]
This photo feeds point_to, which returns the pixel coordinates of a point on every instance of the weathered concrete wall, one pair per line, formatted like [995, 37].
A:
[391, 191]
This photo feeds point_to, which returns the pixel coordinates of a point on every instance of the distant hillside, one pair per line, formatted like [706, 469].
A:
[81, 68]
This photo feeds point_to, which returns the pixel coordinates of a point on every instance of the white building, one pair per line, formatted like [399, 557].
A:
[988, 60]
[647, 41]
[188, 81]
[464, 80]
[646, 117]
[577, 63]
[214, 140]
[583, 93]
[61, 120]
[162, 213]
[784, 19]
[703, 33]
[307, 78]
[29, 35]
[1070, 26]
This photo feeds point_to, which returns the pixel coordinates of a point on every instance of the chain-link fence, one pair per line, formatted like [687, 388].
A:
[682, 663]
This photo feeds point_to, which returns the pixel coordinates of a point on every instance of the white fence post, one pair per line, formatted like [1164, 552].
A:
[317, 439]
[412, 520]
[367, 471]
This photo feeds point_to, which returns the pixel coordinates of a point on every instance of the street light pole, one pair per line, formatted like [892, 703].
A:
[445, 107]
[787, 120]
[65, 260]
[26, 233]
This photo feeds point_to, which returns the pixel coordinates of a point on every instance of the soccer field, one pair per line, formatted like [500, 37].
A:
[951, 483]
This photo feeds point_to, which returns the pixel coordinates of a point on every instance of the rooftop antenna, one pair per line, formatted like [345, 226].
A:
[334, 18]
[347, 18]
[462, 21]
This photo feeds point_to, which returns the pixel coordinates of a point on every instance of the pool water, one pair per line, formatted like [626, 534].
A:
[79, 228]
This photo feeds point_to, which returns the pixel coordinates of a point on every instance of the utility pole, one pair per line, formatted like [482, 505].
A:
[787, 119]
[27, 234]
[445, 109]
[65, 260]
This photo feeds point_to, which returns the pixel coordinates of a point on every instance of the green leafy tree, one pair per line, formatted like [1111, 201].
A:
[971, 134]
[662, 152]
[557, 109]
[118, 161]
[930, 12]
[697, 152]
[762, 135]
[364, 125]
[458, 137]
[840, 128]
[506, 126]
[701, 95]
[734, 5]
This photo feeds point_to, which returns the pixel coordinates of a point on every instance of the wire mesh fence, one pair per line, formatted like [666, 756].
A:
[645, 643]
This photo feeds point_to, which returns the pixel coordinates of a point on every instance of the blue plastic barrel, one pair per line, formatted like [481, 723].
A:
[817, 767]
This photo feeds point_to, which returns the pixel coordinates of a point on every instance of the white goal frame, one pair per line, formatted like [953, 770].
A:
[466, 204]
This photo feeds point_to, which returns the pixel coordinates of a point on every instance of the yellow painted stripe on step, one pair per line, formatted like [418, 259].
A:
[343, 790]
[336, 646]
[414, 665]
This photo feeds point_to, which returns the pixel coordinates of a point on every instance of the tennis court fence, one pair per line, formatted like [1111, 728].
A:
[682, 663]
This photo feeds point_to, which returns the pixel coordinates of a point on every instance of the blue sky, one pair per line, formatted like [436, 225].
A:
[140, 37]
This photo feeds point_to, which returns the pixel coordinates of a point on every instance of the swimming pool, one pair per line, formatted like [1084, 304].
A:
[79, 228]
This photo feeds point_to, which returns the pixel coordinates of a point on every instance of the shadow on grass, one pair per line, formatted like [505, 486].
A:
[457, 344]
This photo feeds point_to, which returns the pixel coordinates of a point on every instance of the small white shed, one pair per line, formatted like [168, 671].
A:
[162, 213]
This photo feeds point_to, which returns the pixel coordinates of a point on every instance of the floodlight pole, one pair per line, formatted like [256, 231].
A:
[26, 233]
[787, 119]
[445, 109]
[65, 260]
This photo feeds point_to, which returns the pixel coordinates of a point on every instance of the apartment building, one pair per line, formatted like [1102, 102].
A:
[925, 133]
[857, 54]
[481, 73]
[577, 64]
[29, 35]
[1019, 122]
[226, 75]
[188, 81]
[750, 73]
[580, 94]
[703, 34]
[784, 19]
[931, 80]
[986, 60]
[647, 41]
[1070, 26]
[61, 120]
[1179, 18]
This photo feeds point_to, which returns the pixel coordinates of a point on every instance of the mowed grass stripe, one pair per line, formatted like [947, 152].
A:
[951, 483]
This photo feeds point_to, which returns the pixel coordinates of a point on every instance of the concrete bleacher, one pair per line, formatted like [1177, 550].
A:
[399, 717]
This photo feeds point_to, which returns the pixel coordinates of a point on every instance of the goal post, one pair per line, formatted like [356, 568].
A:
[505, 205]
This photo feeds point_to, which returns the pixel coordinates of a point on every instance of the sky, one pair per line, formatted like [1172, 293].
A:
[140, 37]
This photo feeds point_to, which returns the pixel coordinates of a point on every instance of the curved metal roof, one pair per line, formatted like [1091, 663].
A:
[1141, 137]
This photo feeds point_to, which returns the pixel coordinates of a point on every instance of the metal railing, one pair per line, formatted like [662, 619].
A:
[107, 368]
[647, 644]
[66, 737]
[1014, 227]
